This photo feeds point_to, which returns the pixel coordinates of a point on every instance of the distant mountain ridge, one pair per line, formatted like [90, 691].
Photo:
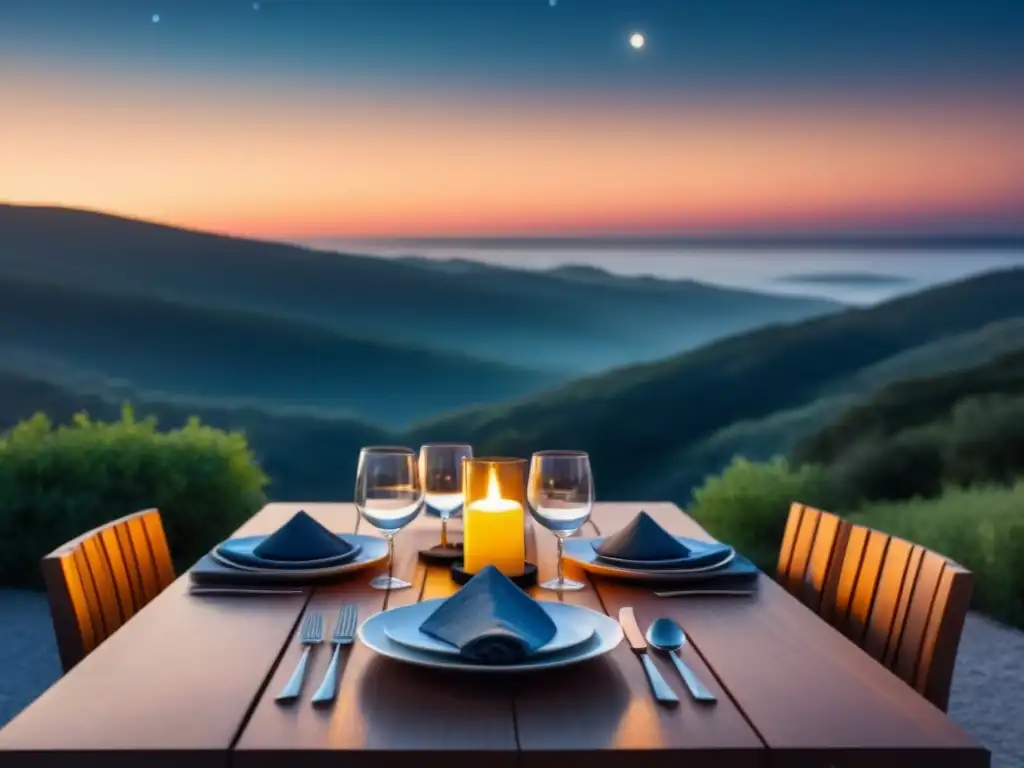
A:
[519, 317]
[201, 353]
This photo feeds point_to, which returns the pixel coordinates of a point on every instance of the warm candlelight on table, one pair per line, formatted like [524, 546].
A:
[493, 518]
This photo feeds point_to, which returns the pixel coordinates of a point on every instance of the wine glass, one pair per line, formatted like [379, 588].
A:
[560, 494]
[441, 475]
[389, 496]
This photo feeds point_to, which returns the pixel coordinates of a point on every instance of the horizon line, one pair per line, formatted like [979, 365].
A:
[998, 239]
[891, 238]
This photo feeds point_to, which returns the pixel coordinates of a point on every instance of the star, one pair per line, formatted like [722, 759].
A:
[637, 41]
[156, 18]
[552, 3]
[255, 6]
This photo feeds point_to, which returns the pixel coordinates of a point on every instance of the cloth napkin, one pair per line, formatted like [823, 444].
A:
[643, 539]
[491, 621]
[301, 538]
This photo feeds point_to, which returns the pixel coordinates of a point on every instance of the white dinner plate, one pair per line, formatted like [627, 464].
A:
[703, 555]
[581, 552]
[404, 627]
[373, 550]
[607, 634]
[242, 551]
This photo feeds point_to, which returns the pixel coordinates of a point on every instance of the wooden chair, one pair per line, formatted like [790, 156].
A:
[98, 581]
[905, 606]
[810, 555]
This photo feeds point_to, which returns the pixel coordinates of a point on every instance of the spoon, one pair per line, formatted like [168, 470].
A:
[668, 637]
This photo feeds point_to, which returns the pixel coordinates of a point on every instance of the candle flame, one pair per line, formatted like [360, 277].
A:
[493, 487]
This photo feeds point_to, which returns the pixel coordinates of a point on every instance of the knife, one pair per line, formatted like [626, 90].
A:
[662, 691]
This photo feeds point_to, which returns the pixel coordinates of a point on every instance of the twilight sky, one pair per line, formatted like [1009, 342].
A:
[350, 118]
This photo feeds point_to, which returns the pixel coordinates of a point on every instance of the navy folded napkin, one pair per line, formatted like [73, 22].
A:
[643, 539]
[301, 538]
[491, 621]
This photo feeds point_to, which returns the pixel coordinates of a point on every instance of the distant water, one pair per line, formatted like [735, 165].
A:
[855, 276]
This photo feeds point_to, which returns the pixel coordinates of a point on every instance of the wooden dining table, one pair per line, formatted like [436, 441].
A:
[191, 681]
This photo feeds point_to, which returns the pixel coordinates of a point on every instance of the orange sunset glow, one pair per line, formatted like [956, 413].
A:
[366, 163]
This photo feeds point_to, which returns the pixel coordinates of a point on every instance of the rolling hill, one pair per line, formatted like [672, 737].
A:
[911, 437]
[178, 351]
[777, 433]
[913, 403]
[570, 322]
[636, 420]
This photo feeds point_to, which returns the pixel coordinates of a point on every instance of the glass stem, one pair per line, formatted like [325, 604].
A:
[391, 556]
[561, 567]
[444, 532]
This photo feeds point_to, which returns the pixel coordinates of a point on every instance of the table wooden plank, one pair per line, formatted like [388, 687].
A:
[602, 712]
[814, 697]
[174, 684]
[384, 710]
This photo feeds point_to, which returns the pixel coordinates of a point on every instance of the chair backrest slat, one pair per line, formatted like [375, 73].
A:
[144, 558]
[900, 619]
[865, 587]
[802, 549]
[849, 569]
[109, 606]
[811, 550]
[158, 548]
[919, 610]
[89, 593]
[131, 565]
[796, 512]
[118, 571]
[942, 637]
[888, 592]
[96, 583]
[905, 606]
[822, 562]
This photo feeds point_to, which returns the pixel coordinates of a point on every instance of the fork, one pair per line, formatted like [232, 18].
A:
[344, 633]
[312, 633]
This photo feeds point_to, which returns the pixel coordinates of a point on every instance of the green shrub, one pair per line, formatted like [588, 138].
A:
[56, 484]
[748, 503]
[980, 528]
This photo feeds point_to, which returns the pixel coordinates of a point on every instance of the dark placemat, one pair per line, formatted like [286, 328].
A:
[209, 571]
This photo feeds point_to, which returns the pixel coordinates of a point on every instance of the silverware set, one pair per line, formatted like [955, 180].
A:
[665, 636]
[311, 634]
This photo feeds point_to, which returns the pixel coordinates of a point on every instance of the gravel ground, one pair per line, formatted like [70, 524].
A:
[986, 699]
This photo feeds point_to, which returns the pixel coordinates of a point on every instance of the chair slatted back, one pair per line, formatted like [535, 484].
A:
[98, 581]
[905, 606]
[812, 548]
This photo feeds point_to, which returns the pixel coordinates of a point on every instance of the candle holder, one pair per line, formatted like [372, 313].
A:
[494, 520]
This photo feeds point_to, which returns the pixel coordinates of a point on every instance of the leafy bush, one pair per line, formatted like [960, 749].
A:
[747, 505]
[57, 483]
[980, 528]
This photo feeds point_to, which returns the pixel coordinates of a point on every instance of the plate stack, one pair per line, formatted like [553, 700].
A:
[490, 626]
[644, 551]
[301, 550]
